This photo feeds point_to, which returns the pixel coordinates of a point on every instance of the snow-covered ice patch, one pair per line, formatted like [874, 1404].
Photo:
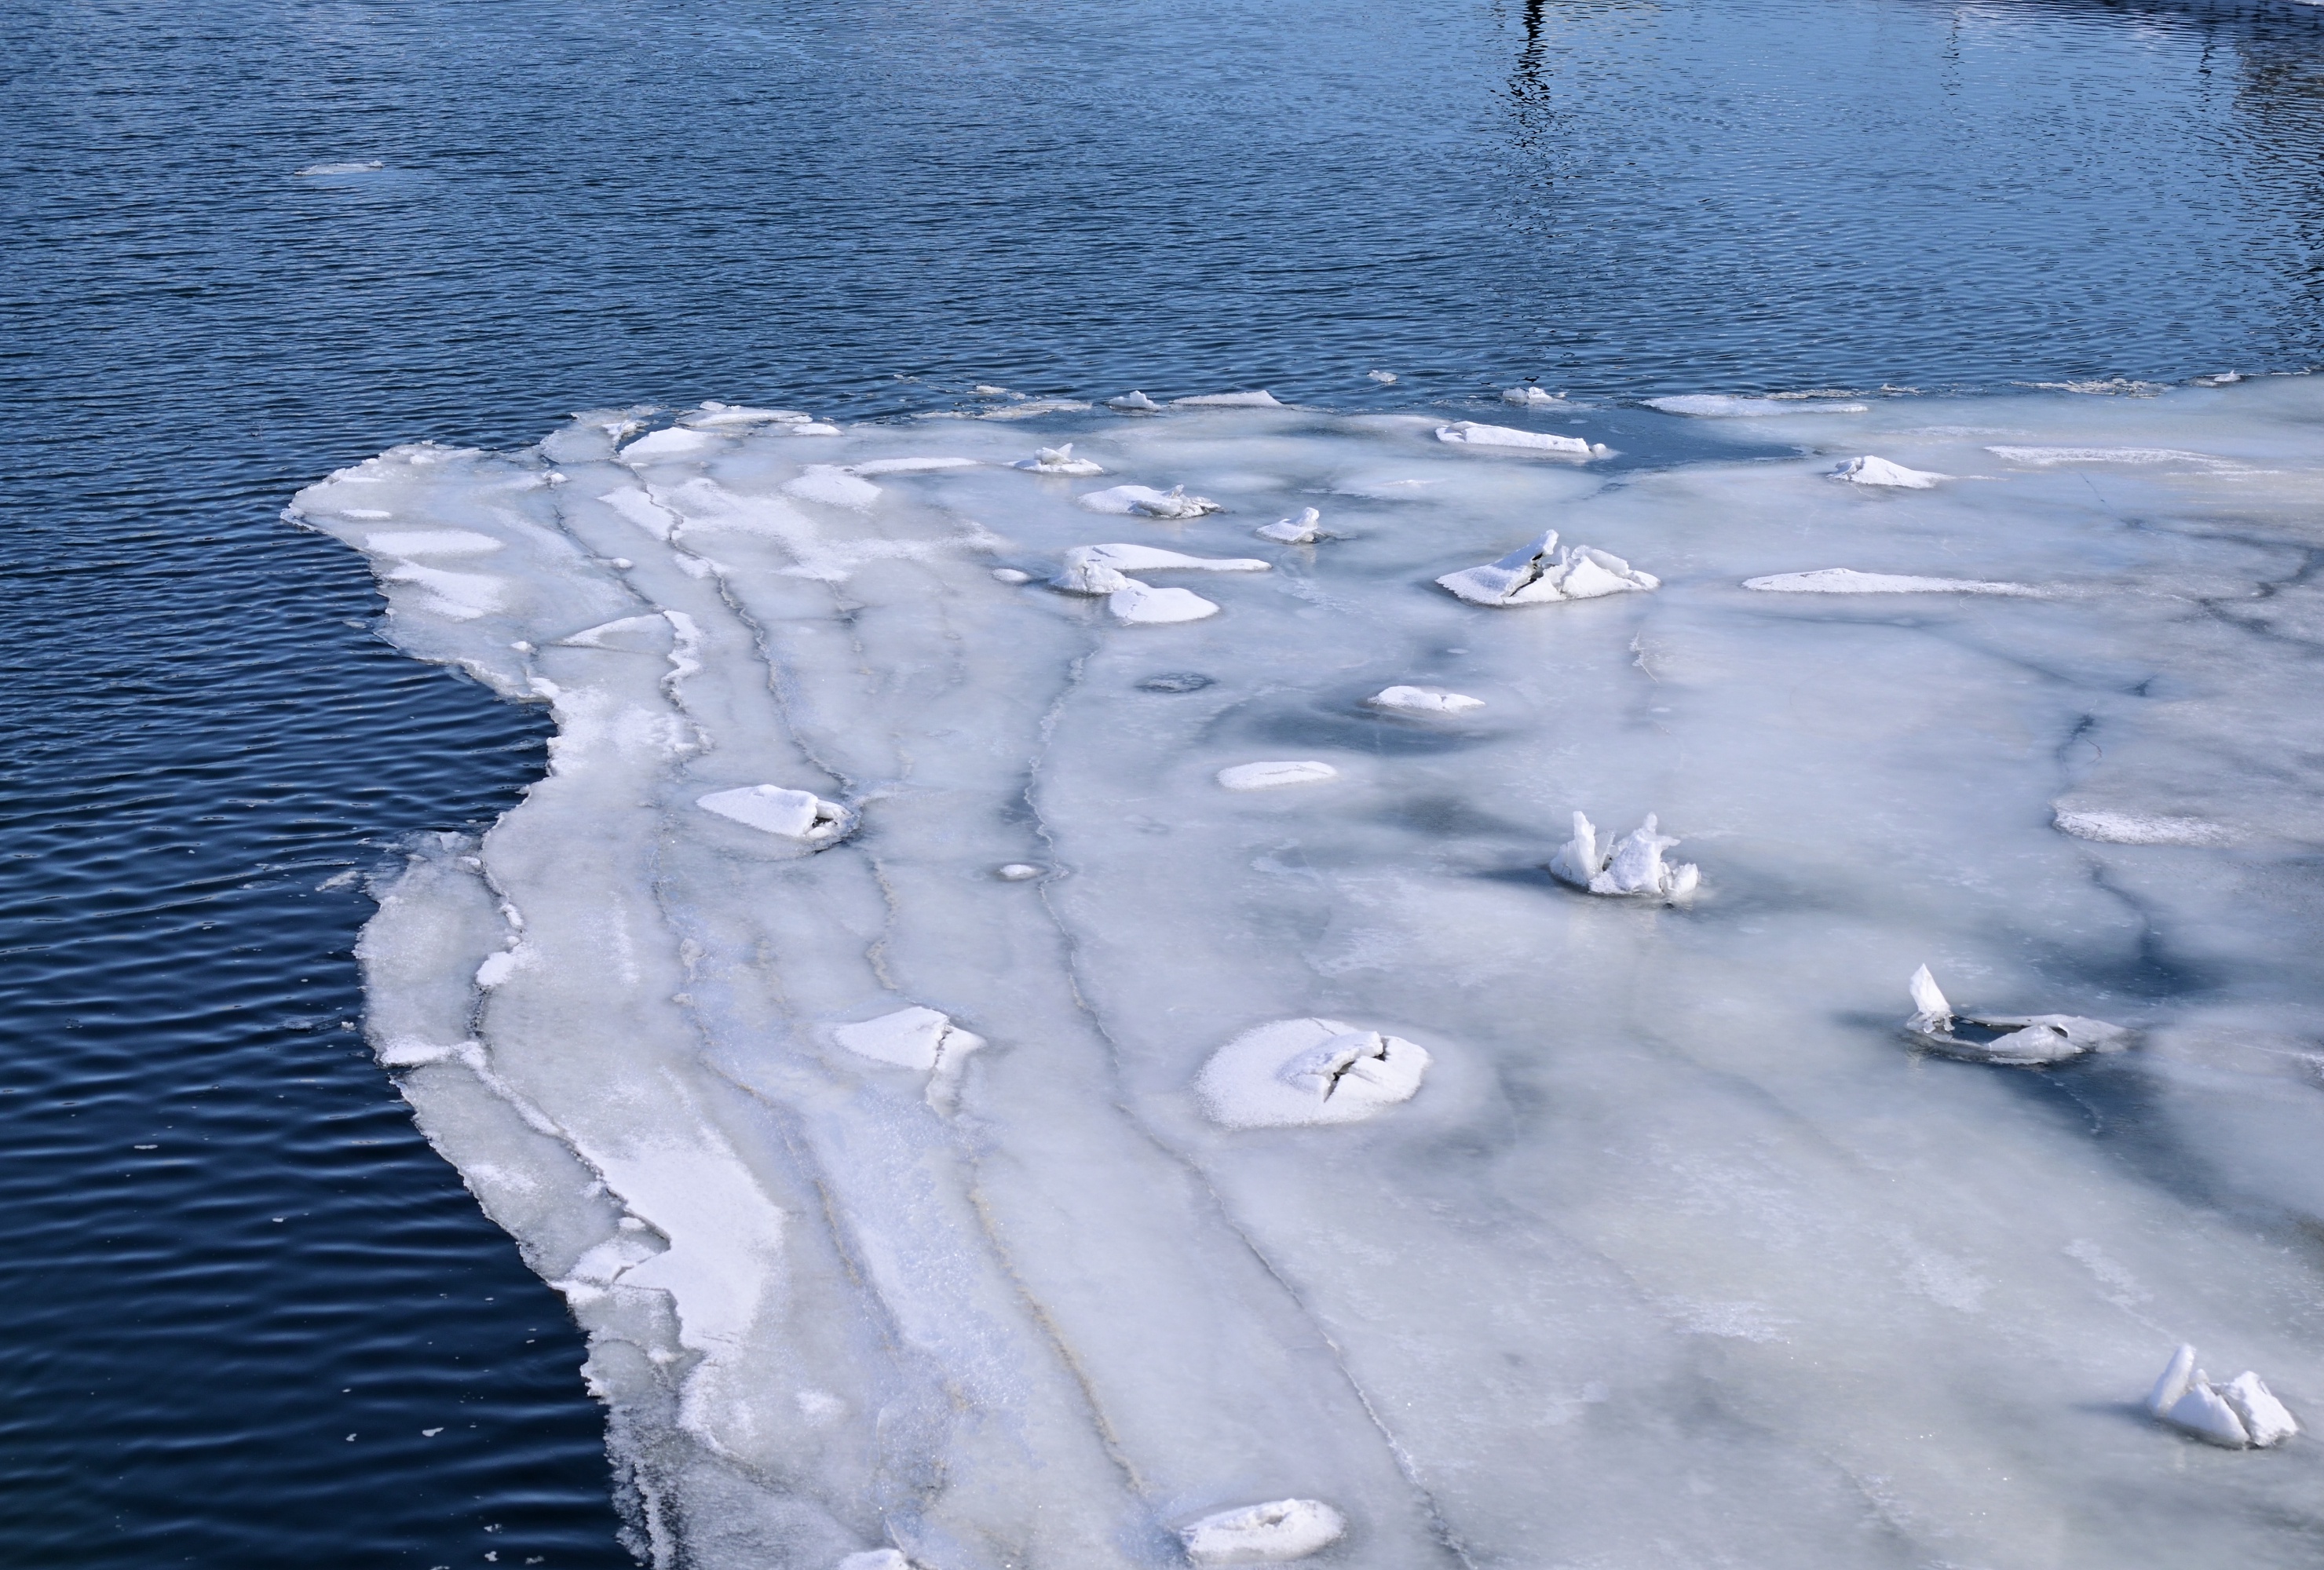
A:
[1304, 527]
[1540, 573]
[833, 486]
[1533, 398]
[1141, 605]
[1058, 460]
[1299, 1072]
[2051, 457]
[1260, 1534]
[430, 542]
[1872, 471]
[714, 415]
[1268, 777]
[1849, 581]
[910, 1038]
[1423, 701]
[1467, 433]
[1133, 402]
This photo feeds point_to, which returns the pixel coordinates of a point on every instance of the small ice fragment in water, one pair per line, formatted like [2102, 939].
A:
[1303, 529]
[1423, 701]
[986, 389]
[910, 1038]
[2241, 1414]
[1267, 776]
[2026, 1041]
[1011, 575]
[1530, 397]
[1141, 606]
[1849, 581]
[1716, 405]
[342, 168]
[1133, 400]
[1631, 865]
[1384, 377]
[1258, 399]
[1530, 575]
[1469, 433]
[2129, 829]
[1174, 681]
[1304, 1071]
[1057, 461]
[1123, 500]
[1871, 471]
[793, 814]
[1016, 872]
[713, 415]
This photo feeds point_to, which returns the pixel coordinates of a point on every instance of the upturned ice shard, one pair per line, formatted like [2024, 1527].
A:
[1302, 528]
[793, 814]
[2241, 1414]
[1631, 867]
[1301, 1071]
[1539, 573]
[1270, 1533]
[1058, 460]
[2029, 1039]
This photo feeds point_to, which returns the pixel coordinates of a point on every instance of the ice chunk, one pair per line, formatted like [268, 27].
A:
[1087, 575]
[2132, 829]
[833, 486]
[1059, 460]
[1133, 401]
[1423, 701]
[712, 416]
[1384, 377]
[923, 465]
[364, 167]
[2241, 1414]
[461, 596]
[1871, 471]
[664, 445]
[1715, 406]
[1532, 576]
[1016, 872]
[1267, 776]
[1123, 501]
[1258, 399]
[1284, 1529]
[910, 1038]
[1849, 581]
[1469, 434]
[429, 542]
[1141, 606]
[793, 814]
[1296, 1072]
[1304, 528]
[1530, 397]
[2026, 1041]
[1138, 558]
[1632, 865]
[1011, 575]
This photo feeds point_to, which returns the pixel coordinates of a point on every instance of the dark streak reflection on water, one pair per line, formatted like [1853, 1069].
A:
[585, 204]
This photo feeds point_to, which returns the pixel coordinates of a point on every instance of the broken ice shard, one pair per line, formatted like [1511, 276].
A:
[1301, 1071]
[1539, 573]
[1631, 867]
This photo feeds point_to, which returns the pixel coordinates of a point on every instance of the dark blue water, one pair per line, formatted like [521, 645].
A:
[586, 203]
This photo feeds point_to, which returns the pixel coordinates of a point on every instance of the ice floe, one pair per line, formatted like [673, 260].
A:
[2241, 1414]
[1304, 527]
[793, 814]
[1871, 471]
[1133, 402]
[833, 486]
[1849, 581]
[673, 442]
[910, 1038]
[430, 542]
[1268, 777]
[2026, 1040]
[1058, 460]
[1540, 573]
[1035, 405]
[1297, 1072]
[1144, 500]
[1259, 399]
[1143, 605]
[1468, 433]
[713, 415]
[1423, 701]
[1631, 867]
[1720, 406]
[1260, 1534]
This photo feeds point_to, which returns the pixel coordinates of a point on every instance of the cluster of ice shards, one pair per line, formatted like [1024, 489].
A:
[1002, 1082]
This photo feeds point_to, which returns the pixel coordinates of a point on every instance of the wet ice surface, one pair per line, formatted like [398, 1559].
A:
[1673, 1253]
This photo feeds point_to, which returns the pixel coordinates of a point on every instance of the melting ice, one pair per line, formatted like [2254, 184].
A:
[1010, 1074]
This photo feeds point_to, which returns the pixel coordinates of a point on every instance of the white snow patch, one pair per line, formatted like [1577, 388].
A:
[910, 1038]
[1302, 528]
[1058, 460]
[1141, 606]
[1256, 400]
[1268, 777]
[430, 542]
[1539, 573]
[2132, 829]
[1849, 581]
[833, 486]
[1125, 500]
[1300, 1072]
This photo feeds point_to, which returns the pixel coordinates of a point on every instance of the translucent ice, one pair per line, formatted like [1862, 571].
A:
[1303, 1071]
[1058, 460]
[793, 814]
[1469, 434]
[1540, 573]
[1284, 1529]
[1268, 777]
[1423, 701]
[1631, 867]
[1123, 501]
[2239, 1415]
[1870, 471]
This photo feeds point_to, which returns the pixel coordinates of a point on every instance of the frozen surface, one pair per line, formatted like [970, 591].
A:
[1655, 1242]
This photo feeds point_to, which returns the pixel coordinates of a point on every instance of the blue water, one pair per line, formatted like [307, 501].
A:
[583, 204]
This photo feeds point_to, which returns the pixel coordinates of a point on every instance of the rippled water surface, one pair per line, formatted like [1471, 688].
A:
[248, 1290]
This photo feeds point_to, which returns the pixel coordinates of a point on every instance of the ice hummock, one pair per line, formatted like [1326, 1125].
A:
[1880, 472]
[1058, 460]
[1631, 867]
[1304, 527]
[1665, 1182]
[790, 813]
[1540, 573]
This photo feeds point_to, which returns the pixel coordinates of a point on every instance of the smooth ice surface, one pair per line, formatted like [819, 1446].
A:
[1849, 581]
[1323, 1144]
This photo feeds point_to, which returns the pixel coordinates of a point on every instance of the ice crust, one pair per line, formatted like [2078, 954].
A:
[1679, 1253]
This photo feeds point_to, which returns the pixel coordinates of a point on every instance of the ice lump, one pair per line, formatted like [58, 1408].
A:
[1296, 1072]
[1540, 573]
[2241, 1414]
